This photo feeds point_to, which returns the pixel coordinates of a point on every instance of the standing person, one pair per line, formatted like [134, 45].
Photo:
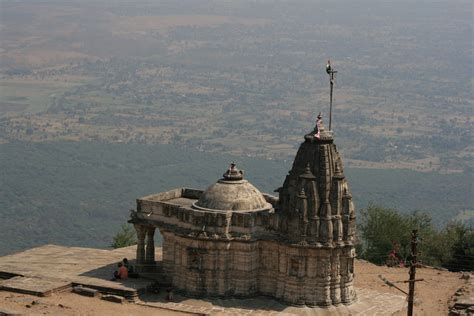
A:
[317, 133]
[328, 67]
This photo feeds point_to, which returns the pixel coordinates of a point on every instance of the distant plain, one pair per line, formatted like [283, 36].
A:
[239, 80]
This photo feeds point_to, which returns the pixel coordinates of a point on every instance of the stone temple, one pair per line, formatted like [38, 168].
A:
[231, 240]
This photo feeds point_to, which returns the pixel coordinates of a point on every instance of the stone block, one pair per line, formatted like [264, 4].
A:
[8, 312]
[39, 286]
[114, 298]
[85, 291]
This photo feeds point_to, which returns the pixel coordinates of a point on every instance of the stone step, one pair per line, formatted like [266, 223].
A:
[113, 298]
[85, 291]
[130, 294]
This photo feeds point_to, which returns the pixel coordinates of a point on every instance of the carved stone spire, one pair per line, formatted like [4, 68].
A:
[318, 170]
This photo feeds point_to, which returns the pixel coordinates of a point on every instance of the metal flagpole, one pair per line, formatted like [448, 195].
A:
[411, 284]
[411, 281]
[331, 72]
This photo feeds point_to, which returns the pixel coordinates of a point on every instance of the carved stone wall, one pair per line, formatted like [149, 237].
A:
[296, 275]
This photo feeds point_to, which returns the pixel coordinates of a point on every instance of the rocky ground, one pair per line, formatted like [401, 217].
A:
[433, 295]
[462, 302]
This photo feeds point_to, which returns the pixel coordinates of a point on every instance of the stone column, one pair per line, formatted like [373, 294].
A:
[336, 210]
[324, 279]
[345, 217]
[335, 279]
[140, 243]
[150, 245]
[348, 294]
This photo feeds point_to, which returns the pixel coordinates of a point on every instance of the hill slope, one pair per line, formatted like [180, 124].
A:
[79, 193]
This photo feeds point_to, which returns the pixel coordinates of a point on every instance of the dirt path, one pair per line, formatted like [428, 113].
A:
[73, 304]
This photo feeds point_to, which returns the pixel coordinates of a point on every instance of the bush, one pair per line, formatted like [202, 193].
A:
[125, 237]
[383, 230]
[461, 256]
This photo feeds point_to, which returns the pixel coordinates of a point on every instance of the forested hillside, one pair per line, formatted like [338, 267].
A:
[79, 193]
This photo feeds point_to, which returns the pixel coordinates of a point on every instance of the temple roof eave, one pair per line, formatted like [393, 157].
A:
[268, 207]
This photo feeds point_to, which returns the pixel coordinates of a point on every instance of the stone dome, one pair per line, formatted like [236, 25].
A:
[232, 193]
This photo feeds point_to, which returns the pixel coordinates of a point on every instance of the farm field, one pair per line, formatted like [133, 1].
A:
[243, 78]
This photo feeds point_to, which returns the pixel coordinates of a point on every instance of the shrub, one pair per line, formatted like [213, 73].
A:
[125, 237]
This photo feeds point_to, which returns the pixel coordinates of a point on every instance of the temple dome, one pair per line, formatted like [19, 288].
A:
[232, 193]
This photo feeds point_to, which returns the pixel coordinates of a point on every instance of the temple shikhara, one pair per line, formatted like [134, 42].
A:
[231, 240]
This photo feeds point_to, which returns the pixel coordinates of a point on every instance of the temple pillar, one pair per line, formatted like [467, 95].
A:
[141, 231]
[150, 245]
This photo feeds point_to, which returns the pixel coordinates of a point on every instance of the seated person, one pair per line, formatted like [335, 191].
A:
[131, 272]
[122, 272]
[127, 265]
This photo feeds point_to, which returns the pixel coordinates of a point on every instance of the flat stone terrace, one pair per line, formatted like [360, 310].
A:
[369, 303]
[178, 196]
[44, 270]
[50, 268]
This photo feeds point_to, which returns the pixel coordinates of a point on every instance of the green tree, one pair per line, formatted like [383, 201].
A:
[380, 228]
[383, 229]
[125, 237]
[462, 249]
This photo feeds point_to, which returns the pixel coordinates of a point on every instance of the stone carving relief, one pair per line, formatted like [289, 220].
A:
[195, 259]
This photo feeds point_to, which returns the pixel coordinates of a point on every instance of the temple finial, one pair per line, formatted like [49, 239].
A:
[233, 173]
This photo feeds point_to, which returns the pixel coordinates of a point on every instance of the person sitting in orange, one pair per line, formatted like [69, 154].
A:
[122, 272]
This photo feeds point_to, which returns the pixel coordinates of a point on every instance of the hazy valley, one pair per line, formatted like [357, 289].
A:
[103, 102]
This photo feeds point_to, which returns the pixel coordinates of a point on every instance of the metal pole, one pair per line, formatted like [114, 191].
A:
[331, 72]
[411, 289]
[331, 78]
[391, 284]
